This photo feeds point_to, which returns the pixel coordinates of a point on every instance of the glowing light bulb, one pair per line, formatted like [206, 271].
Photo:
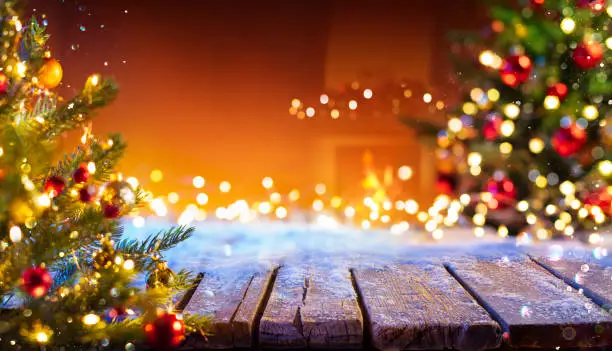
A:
[507, 128]
[202, 199]
[536, 145]
[267, 183]
[225, 187]
[15, 234]
[427, 98]
[352, 105]
[590, 112]
[310, 112]
[324, 99]
[512, 111]
[368, 93]
[404, 173]
[198, 182]
[551, 102]
[568, 25]
[157, 176]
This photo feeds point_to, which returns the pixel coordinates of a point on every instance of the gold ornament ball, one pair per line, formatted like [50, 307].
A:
[162, 276]
[51, 73]
[117, 198]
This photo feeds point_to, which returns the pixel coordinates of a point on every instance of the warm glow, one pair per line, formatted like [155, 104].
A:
[157, 176]
[352, 105]
[368, 93]
[267, 182]
[294, 195]
[512, 111]
[568, 25]
[281, 212]
[507, 128]
[43, 201]
[15, 234]
[202, 199]
[404, 173]
[225, 187]
[455, 125]
[42, 337]
[320, 189]
[427, 98]
[198, 182]
[324, 99]
[335, 114]
[295, 103]
[590, 112]
[536, 145]
[173, 198]
[605, 168]
[310, 112]
[551, 102]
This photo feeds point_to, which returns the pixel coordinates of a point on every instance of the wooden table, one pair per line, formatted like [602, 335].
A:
[510, 299]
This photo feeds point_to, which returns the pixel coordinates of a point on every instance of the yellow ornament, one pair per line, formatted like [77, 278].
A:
[117, 198]
[51, 73]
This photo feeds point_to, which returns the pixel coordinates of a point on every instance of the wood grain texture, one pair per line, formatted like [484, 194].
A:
[420, 306]
[594, 279]
[312, 307]
[535, 308]
[232, 298]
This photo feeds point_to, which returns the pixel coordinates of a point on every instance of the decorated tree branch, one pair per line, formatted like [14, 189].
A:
[534, 130]
[67, 278]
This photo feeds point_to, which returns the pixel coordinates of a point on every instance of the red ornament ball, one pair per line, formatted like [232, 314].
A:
[491, 127]
[515, 70]
[588, 54]
[80, 175]
[569, 140]
[601, 198]
[3, 83]
[503, 193]
[595, 5]
[536, 4]
[111, 211]
[87, 193]
[36, 281]
[446, 184]
[559, 90]
[54, 186]
[165, 333]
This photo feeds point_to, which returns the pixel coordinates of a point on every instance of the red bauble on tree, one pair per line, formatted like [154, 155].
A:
[588, 54]
[165, 333]
[595, 5]
[54, 186]
[503, 193]
[491, 127]
[81, 174]
[601, 198]
[446, 183]
[569, 140]
[515, 70]
[36, 281]
[3, 83]
[559, 90]
[536, 4]
[87, 193]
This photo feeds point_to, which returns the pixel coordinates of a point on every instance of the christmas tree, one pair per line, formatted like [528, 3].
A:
[67, 279]
[533, 131]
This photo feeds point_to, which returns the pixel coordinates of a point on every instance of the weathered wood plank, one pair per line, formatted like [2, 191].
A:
[535, 308]
[244, 322]
[312, 307]
[232, 298]
[594, 279]
[420, 306]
